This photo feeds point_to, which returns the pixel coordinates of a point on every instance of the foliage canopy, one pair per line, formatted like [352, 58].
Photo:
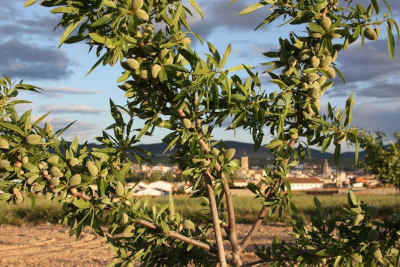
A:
[168, 85]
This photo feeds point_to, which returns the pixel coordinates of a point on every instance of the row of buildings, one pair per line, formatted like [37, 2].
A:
[307, 176]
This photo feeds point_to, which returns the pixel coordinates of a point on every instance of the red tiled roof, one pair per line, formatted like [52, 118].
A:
[359, 180]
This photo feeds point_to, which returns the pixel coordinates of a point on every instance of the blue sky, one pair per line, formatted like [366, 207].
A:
[29, 51]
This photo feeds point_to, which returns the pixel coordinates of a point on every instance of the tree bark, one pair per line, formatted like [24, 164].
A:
[217, 227]
[236, 251]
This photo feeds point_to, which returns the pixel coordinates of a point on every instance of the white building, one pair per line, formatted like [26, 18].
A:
[159, 188]
[299, 184]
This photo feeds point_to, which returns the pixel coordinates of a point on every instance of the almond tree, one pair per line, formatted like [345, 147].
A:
[168, 85]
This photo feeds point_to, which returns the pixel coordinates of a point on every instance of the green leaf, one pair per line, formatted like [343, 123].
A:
[251, 9]
[349, 109]
[74, 145]
[69, 30]
[391, 42]
[64, 9]
[125, 75]
[41, 118]
[389, 8]
[337, 261]
[357, 147]
[225, 56]
[175, 67]
[62, 130]
[97, 37]
[188, 172]
[326, 143]
[15, 102]
[274, 144]
[352, 198]
[102, 20]
[29, 2]
[12, 127]
[337, 154]
[339, 73]
[252, 187]
[109, 3]
[197, 7]
[239, 67]
[316, 28]
[376, 6]
[81, 204]
[317, 204]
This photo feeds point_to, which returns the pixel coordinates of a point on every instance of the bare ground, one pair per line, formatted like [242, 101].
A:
[51, 245]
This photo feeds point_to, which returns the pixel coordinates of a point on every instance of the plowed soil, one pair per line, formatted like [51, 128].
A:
[51, 245]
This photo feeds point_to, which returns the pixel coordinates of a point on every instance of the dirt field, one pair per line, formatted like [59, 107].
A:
[51, 245]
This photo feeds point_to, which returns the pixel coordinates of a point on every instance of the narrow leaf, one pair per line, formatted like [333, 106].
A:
[391, 43]
[69, 30]
[11, 127]
[29, 2]
[251, 9]
[197, 7]
[225, 56]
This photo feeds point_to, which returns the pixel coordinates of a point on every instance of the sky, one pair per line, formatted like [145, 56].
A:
[29, 51]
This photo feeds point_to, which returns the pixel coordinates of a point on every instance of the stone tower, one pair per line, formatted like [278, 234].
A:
[340, 178]
[245, 163]
[326, 169]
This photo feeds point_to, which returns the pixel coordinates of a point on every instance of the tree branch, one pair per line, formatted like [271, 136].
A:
[179, 236]
[217, 228]
[232, 223]
[254, 228]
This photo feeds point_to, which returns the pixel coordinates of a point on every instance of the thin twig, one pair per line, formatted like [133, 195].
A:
[179, 236]
[254, 228]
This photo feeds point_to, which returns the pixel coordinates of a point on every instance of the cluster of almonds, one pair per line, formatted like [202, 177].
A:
[138, 11]
[154, 62]
[317, 63]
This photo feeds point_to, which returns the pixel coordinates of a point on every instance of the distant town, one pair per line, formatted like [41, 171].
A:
[163, 179]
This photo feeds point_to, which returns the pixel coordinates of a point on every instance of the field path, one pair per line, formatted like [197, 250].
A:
[51, 245]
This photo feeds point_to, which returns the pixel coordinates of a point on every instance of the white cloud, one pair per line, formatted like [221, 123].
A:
[81, 109]
[68, 91]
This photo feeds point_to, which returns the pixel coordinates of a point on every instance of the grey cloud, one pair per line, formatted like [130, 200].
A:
[76, 109]
[44, 26]
[368, 71]
[58, 92]
[82, 129]
[378, 116]
[368, 63]
[32, 62]
[395, 4]
[382, 115]
[8, 10]
[220, 14]
[381, 90]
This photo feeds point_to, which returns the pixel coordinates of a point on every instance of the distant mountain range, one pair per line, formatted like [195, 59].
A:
[259, 157]
[248, 149]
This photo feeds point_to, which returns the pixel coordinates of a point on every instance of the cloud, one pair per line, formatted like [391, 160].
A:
[395, 5]
[381, 89]
[29, 61]
[43, 26]
[378, 116]
[368, 63]
[57, 92]
[80, 109]
[368, 71]
[7, 10]
[220, 14]
[85, 131]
